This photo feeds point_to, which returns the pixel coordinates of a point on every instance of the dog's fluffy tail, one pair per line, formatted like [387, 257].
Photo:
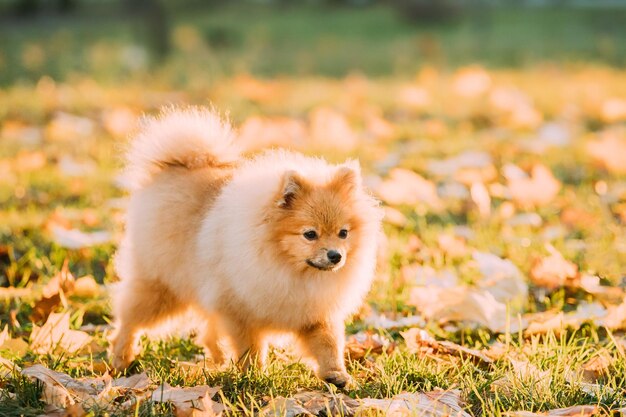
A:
[192, 138]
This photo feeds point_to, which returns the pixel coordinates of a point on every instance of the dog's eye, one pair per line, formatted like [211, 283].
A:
[310, 235]
[343, 233]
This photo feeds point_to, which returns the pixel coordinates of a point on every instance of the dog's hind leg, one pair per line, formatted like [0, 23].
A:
[139, 304]
[249, 344]
[209, 338]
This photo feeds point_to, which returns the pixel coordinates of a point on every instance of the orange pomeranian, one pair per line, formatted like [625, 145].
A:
[280, 243]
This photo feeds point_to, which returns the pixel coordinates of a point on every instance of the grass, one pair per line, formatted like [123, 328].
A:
[214, 55]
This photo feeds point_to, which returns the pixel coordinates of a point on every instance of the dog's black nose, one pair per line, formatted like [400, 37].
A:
[334, 256]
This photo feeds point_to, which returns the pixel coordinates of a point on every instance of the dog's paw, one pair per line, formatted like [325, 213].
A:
[338, 378]
[121, 363]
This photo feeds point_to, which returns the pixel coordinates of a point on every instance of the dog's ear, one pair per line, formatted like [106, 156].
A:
[293, 186]
[347, 179]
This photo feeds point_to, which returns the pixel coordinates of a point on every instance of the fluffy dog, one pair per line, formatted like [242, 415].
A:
[276, 243]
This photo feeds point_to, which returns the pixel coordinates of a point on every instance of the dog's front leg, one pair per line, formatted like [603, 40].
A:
[325, 342]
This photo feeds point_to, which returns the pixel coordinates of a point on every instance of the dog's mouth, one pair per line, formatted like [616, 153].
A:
[323, 267]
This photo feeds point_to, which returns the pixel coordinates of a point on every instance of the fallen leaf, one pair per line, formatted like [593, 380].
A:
[471, 81]
[452, 245]
[556, 322]
[502, 279]
[615, 317]
[413, 97]
[525, 374]
[614, 110]
[87, 287]
[7, 368]
[538, 190]
[190, 401]
[437, 403]
[56, 334]
[598, 366]
[331, 129]
[59, 286]
[460, 304]
[73, 168]
[137, 382]
[554, 271]
[575, 411]
[361, 344]
[284, 407]
[480, 197]
[449, 167]
[381, 321]
[420, 341]
[17, 346]
[61, 390]
[258, 133]
[13, 292]
[76, 239]
[407, 187]
[610, 151]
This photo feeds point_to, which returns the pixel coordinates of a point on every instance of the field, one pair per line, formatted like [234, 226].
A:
[501, 285]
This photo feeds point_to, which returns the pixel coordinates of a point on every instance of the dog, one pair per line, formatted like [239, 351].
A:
[276, 243]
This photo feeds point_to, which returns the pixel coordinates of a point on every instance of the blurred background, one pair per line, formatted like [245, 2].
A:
[175, 40]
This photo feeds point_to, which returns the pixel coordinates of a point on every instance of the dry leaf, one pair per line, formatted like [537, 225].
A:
[598, 366]
[486, 304]
[17, 346]
[258, 133]
[538, 190]
[413, 97]
[469, 160]
[524, 373]
[554, 271]
[191, 401]
[381, 321]
[452, 245]
[56, 334]
[480, 197]
[361, 344]
[61, 390]
[460, 304]
[394, 217]
[502, 279]
[76, 239]
[284, 407]
[542, 323]
[59, 286]
[428, 404]
[407, 187]
[575, 411]
[615, 317]
[87, 287]
[614, 110]
[471, 82]
[7, 368]
[331, 129]
[610, 151]
[13, 292]
[137, 382]
[420, 341]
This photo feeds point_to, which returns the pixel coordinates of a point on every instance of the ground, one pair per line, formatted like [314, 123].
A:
[505, 197]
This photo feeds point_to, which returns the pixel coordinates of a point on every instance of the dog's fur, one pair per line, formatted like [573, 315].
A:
[223, 235]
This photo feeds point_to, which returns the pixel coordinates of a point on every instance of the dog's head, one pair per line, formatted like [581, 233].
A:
[317, 227]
